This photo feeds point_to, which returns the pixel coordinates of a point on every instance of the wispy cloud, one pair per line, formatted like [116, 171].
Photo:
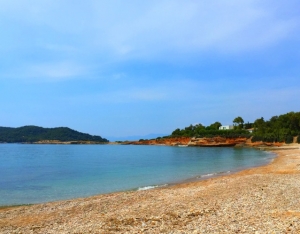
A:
[231, 26]
[141, 29]
[180, 90]
[59, 47]
[50, 72]
[192, 61]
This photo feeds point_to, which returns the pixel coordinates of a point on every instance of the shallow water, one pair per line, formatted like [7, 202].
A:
[41, 173]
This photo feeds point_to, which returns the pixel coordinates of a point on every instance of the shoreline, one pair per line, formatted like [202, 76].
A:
[194, 178]
[260, 199]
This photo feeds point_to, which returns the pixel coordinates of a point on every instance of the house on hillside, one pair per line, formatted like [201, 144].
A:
[226, 127]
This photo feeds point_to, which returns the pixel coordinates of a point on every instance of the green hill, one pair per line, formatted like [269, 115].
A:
[34, 134]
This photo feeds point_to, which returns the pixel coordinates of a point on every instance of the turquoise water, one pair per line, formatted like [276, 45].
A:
[40, 173]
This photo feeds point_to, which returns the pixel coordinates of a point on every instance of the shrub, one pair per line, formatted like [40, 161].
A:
[256, 138]
[289, 139]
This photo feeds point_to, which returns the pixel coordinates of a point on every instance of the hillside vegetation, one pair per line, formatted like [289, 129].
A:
[35, 134]
[278, 128]
[282, 128]
[199, 130]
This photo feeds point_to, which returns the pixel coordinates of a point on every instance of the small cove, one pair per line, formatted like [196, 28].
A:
[40, 173]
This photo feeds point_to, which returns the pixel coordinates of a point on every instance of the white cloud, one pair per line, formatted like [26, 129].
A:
[129, 95]
[98, 34]
[224, 26]
[50, 71]
[180, 90]
[137, 28]
[59, 48]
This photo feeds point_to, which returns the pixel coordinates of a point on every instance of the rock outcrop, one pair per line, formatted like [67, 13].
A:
[161, 141]
[205, 142]
[188, 141]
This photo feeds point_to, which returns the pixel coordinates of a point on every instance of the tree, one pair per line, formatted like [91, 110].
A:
[278, 128]
[176, 132]
[239, 121]
[215, 126]
[248, 125]
[260, 126]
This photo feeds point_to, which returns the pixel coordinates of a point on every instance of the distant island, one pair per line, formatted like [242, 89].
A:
[34, 134]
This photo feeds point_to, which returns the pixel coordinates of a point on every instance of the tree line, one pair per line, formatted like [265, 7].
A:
[212, 130]
[282, 128]
[34, 134]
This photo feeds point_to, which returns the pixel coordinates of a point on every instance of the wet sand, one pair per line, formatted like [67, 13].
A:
[258, 200]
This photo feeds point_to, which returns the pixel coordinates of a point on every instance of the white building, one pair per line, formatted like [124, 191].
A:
[226, 127]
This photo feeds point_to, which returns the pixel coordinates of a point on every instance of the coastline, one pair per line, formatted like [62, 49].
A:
[218, 161]
[260, 199]
[156, 186]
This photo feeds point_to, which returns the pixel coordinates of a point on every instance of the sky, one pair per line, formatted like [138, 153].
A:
[132, 68]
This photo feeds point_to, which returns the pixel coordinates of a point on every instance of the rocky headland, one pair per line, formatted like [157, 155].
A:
[204, 142]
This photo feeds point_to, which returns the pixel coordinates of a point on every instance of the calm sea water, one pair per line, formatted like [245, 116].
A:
[40, 173]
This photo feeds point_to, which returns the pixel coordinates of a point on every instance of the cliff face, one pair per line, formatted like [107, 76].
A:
[213, 141]
[162, 141]
[205, 142]
[217, 141]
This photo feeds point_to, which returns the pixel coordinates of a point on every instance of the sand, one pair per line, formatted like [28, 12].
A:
[258, 200]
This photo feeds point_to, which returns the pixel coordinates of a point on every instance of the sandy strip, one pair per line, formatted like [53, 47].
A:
[258, 200]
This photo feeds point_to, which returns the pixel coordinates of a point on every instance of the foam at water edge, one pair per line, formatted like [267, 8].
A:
[151, 187]
[213, 174]
[207, 175]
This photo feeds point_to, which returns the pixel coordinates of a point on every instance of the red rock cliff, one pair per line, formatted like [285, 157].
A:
[190, 141]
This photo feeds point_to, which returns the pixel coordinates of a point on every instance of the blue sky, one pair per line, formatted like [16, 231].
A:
[122, 68]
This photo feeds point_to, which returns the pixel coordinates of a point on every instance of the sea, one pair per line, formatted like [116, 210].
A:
[31, 174]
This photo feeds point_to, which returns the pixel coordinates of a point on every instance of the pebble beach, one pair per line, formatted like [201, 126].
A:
[265, 199]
